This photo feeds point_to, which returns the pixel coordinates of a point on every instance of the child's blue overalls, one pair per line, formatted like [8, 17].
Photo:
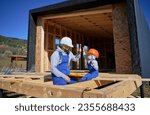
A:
[64, 68]
[93, 73]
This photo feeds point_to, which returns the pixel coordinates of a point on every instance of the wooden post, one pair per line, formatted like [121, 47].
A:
[74, 48]
[39, 57]
[46, 58]
[121, 39]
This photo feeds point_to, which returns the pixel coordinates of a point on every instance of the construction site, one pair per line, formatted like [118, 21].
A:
[113, 27]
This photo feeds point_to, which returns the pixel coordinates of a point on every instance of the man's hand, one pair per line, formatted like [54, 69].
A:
[67, 79]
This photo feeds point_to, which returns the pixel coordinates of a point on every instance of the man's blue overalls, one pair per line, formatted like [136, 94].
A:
[64, 68]
[93, 73]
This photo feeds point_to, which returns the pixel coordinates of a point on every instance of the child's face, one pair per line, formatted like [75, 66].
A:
[89, 57]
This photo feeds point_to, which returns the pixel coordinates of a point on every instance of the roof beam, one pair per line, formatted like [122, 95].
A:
[100, 10]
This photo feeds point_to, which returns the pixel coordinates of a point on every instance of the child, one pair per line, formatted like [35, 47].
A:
[91, 56]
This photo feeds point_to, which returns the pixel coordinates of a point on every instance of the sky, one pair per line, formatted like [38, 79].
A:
[14, 15]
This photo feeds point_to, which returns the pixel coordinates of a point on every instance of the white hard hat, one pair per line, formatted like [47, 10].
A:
[67, 41]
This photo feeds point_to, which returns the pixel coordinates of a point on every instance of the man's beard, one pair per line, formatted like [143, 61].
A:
[66, 50]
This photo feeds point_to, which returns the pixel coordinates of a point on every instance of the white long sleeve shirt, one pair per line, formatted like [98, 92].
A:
[55, 61]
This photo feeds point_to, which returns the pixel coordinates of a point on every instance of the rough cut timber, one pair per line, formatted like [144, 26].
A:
[105, 86]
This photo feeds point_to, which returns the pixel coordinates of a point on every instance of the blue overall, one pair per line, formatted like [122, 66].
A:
[93, 73]
[64, 68]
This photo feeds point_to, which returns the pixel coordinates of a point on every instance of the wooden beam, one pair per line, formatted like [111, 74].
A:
[49, 90]
[46, 57]
[146, 79]
[39, 57]
[91, 84]
[100, 10]
[120, 89]
[121, 39]
[94, 88]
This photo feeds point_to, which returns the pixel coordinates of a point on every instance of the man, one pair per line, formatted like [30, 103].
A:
[60, 61]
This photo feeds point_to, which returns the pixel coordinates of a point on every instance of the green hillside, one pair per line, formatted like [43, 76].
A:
[11, 46]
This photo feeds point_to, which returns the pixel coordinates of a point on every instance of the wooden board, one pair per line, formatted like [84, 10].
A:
[103, 86]
[39, 52]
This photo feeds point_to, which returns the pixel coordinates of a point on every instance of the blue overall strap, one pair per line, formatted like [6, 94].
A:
[90, 67]
[62, 67]
[64, 64]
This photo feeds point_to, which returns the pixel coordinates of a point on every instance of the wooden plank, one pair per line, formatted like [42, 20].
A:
[111, 76]
[91, 84]
[40, 90]
[121, 39]
[39, 54]
[37, 88]
[58, 30]
[42, 77]
[145, 79]
[121, 89]
[75, 48]
[101, 10]
[46, 58]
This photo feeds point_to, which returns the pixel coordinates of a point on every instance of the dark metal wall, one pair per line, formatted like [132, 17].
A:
[31, 44]
[143, 37]
[136, 63]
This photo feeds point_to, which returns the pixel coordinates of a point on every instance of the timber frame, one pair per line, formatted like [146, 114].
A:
[114, 23]
[128, 49]
[80, 20]
[105, 86]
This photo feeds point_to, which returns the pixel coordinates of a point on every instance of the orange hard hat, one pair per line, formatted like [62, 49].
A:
[93, 52]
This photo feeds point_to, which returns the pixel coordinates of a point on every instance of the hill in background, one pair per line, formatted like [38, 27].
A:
[11, 46]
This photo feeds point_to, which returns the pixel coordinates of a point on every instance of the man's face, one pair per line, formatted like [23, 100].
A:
[66, 48]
